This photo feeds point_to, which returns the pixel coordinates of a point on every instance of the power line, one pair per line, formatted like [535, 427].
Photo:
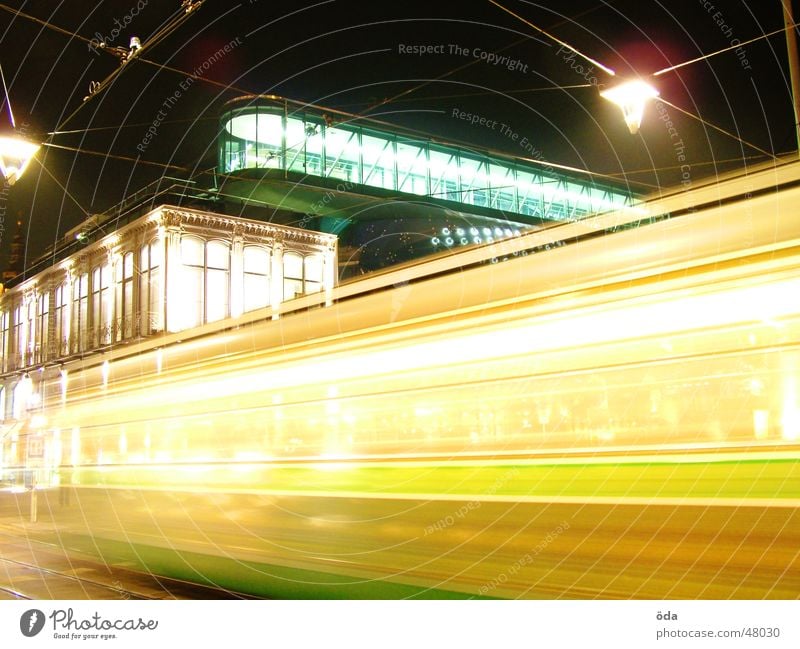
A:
[685, 112]
[44, 23]
[717, 128]
[706, 163]
[187, 8]
[481, 94]
[139, 124]
[462, 67]
[66, 191]
[114, 156]
[159, 36]
[725, 49]
[604, 68]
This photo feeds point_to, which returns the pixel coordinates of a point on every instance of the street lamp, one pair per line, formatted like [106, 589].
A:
[15, 151]
[15, 155]
[631, 97]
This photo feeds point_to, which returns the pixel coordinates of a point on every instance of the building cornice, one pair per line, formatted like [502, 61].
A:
[245, 227]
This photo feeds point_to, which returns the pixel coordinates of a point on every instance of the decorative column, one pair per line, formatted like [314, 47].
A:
[171, 285]
[276, 281]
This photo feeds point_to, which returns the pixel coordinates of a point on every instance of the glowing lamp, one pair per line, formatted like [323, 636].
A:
[631, 97]
[15, 155]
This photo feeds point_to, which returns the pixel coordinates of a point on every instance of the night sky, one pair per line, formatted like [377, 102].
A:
[352, 55]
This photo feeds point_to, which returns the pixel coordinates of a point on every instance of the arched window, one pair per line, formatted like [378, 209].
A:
[30, 333]
[124, 297]
[205, 285]
[62, 319]
[256, 277]
[80, 312]
[218, 260]
[101, 305]
[292, 275]
[43, 317]
[312, 277]
[150, 288]
[192, 288]
[18, 335]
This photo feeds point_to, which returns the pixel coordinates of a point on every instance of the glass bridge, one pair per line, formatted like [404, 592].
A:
[304, 141]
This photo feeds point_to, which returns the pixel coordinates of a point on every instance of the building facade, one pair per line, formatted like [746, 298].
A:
[170, 270]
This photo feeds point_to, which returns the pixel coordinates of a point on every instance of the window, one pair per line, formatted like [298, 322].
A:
[43, 315]
[378, 156]
[312, 267]
[303, 146]
[18, 335]
[301, 275]
[124, 298]
[412, 174]
[62, 319]
[529, 189]
[265, 151]
[341, 154]
[474, 181]
[218, 261]
[444, 175]
[5, 343]
[101, 305]
[313, 162]
[254, 140]
[256, 277]
[80, 313]
[150, 288]
[292, 275]
[192, 289]
[503, 188]
[205, 285]
[30, 332]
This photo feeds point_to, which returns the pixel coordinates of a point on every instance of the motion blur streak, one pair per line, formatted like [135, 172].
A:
[614, 417]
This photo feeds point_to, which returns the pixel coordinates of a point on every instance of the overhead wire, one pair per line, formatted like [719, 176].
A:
[723, 50]
[187, 8]
[717, 128]
[66, 191]
[462, 67]
[177, 20]
[114, 156]
[604, 68]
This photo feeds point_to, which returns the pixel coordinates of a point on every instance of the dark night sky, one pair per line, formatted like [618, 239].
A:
[345, 54]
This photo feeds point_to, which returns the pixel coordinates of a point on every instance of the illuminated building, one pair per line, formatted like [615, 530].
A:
[390, 194]
[365, 195]
[169, 270]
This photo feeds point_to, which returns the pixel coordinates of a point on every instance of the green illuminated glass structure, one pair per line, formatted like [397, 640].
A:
[304, 141]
